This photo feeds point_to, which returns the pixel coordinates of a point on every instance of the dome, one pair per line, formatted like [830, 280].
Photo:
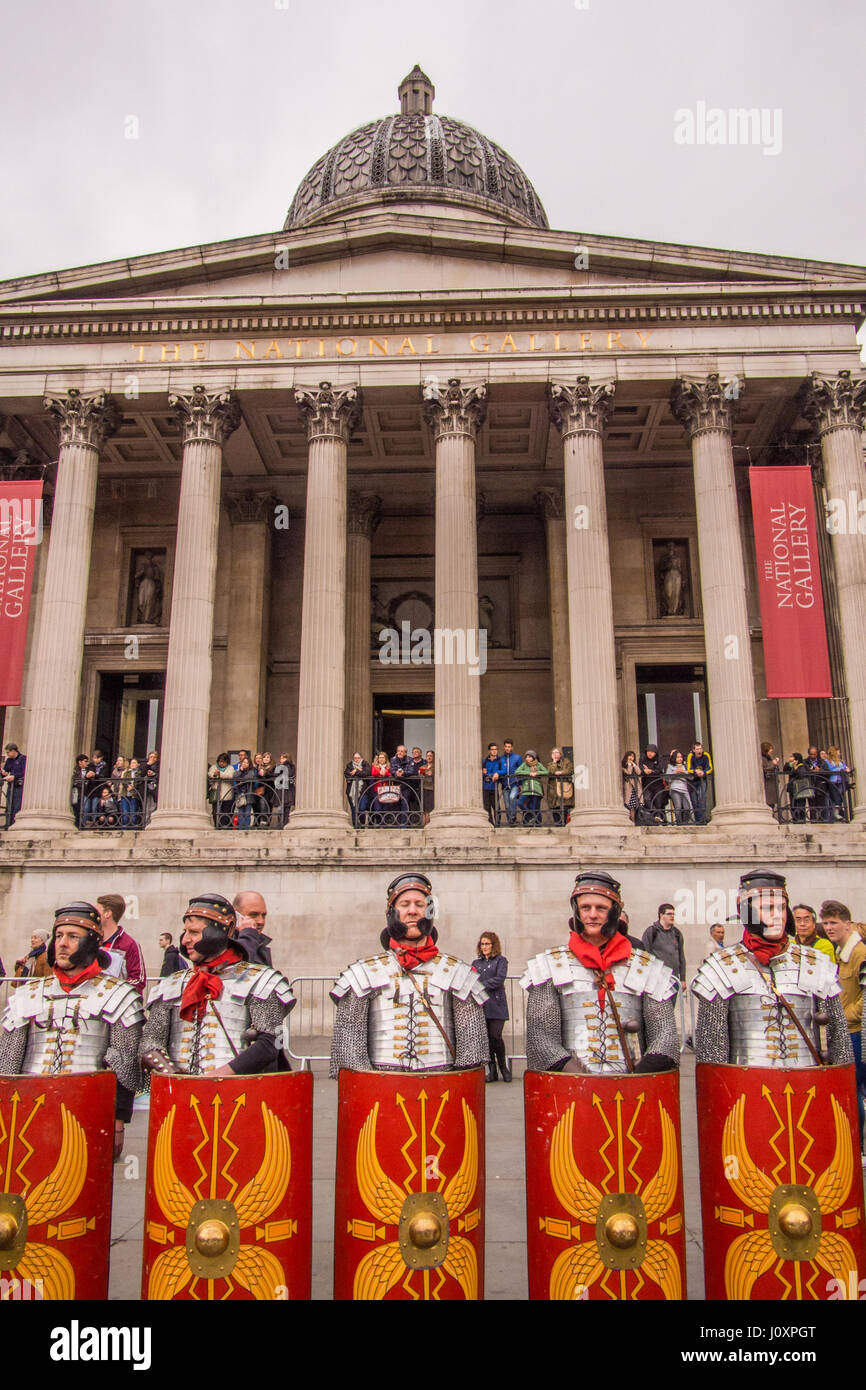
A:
[416, 156]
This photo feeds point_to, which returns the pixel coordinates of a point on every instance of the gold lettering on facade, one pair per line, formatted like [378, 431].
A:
[613, 335]
[485, 346]
[379, 346]
[248, 349]
[406, 346]
[342, 352]
[321, 347]
[556, 347]
[509, 343]
[432, 351]
[585, 341]
[532, 347]
[141, 352]
[199, 352]
[644, 337]
[170, 347]
[273, 349]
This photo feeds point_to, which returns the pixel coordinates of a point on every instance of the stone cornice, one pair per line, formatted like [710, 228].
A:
[528, 307]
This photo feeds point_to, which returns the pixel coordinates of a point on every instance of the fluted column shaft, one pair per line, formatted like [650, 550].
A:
[455, 415]
[249, 607]
[331, 415]
[551, 503]
[85, 423]
[363, 515]
[206, 420]
[706, 413]
[580, 413]
[837, 407]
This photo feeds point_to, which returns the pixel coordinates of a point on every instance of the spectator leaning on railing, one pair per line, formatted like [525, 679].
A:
[529, 775]
[509, 783]
[491, 768]
[13, 776]
[699, 765]
[560, 786]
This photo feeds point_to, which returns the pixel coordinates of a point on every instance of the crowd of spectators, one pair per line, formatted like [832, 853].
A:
[247, 789]
[815, 787]
[659, 791]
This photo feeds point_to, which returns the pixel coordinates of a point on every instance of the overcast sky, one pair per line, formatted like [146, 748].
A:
[235, 99]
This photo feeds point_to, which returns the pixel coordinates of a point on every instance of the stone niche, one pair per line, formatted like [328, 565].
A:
[672, 577]
[146, 587]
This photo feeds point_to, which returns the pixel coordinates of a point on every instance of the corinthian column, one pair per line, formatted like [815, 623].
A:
[551, 504]
[249, 605]
[206, 422]
[363, 517]
[455, 415]
[837, 407]
[705, 412]
[580, 413]
[331, 414]
[85, 423]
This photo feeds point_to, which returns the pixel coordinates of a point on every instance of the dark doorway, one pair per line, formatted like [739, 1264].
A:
[406, 719]
[129, 713]
[672, 708]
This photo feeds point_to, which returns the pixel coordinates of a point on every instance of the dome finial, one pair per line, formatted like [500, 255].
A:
[416, 93]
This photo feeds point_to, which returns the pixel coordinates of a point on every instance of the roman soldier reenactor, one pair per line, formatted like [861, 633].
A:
[224, 1016]
[410, 1044]
[781, 1184]
[604, 1195]
[76, 1019]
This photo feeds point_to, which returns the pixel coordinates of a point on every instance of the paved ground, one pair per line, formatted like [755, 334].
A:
[506, 1213]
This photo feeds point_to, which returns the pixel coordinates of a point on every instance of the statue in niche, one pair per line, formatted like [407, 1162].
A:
[148, 590]
[671, 584]
[485, 617]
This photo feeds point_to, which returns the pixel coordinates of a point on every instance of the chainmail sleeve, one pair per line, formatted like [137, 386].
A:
[13, 1046]
[157, 1029]
[266, 1017]
[660, 1027]
[545, 1050]
[349, 1049]
[470, 1033]
[838, 1037]
[121, 1057]
[712, 1043]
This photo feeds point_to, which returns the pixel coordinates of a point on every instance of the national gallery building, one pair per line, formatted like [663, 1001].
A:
[417, 469]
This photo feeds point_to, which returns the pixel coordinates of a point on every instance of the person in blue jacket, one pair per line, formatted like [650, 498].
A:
[510, 762]
[491, 767]
[492, 966]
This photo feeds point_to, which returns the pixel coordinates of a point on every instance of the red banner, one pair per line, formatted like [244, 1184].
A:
[20, 533]
[789, 584]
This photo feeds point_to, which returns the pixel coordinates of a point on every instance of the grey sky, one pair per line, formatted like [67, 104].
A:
[235, 100]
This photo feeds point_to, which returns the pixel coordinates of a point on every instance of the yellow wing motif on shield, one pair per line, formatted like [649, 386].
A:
[266, 1190]
[836, 1256]
[574, 1270]
[662, 1266]
[661, 1189]
[576, 1193]
[56, 1192]
[462, 1185]
[834, 1184]
[752, 1186]
[380, 1194]
[378, 1272]
[169, 1276]
[748, 1257]
[259, 1271]
[173, 1196]
[462, 1265]
[42, 1263]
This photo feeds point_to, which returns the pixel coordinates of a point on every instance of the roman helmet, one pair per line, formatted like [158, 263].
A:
[597, 881]
[84, 915]
[221, 929]
[395, 930]
[749, 894]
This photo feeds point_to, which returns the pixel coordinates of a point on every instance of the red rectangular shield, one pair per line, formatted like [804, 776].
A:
[56, 1157]
[789, 584]
[228, 1205]
[20, 533]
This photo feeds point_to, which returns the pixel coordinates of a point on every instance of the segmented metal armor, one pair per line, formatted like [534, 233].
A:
[741, 1021]
[253, 997]
[96, 1026]
[381, 1023]
[564, 1016]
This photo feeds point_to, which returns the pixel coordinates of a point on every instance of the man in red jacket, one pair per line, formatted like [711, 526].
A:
[126, 959]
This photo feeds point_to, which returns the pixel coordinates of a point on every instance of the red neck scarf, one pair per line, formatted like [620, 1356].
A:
[762, 950]
[68, 982]
[203, 984]
[600, 958]
[411, 953]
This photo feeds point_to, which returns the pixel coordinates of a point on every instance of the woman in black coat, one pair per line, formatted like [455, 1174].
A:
[492, 966]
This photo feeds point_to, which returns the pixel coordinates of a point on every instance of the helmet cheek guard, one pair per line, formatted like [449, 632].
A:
[404, 883]
[86, 916]
[605, 886]
[221, 929]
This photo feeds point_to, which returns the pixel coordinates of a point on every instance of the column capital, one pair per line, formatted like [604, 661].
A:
[701, 406]
[583, 408]
[456, 410]
[834, 403]
[249, 506]
[87, 420]
[363, 513]
[329, 412]
[204, 417]
[550, 501]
